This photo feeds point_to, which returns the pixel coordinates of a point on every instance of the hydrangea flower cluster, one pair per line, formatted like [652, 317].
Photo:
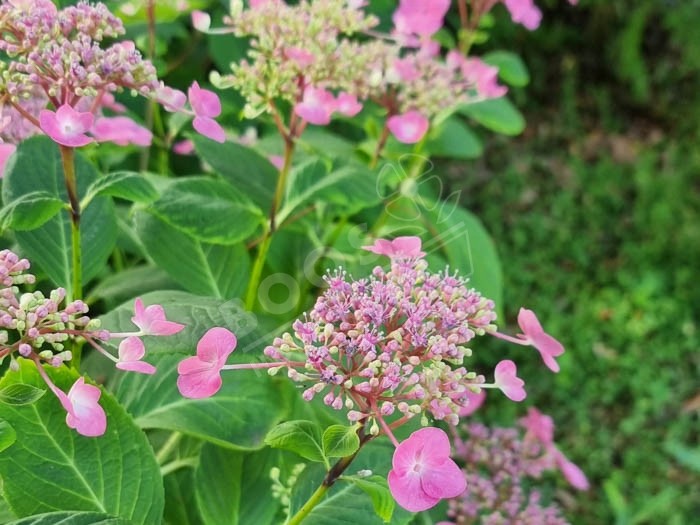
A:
[499, 466]
[305, 55]
[41, 329]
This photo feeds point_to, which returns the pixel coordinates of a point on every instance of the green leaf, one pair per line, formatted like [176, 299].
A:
[345, 190]
[29, 211]
[510, 66]
[454, 139]
[377, 489]
[245, 169]
[209, 269]
[128, 185]
[51, 467]
[37, 166]
[686, 456]
[20, 394]
[340, 441]
[116, 288]
[7, 435]
[496, 114]
[208, 210]
[301, 437]
[72, 518]
[218, 502]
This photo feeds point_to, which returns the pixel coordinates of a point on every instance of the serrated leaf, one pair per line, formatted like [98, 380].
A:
[496, 114]
[340, 441]
[128, 185]
[51, 467]
[72, 518]
[37, 166]
[209, 269]
[244, 168]
[30, 211]
[377, 489]
[301, 437]
[20, 394]
[208, 210]
[511, 67]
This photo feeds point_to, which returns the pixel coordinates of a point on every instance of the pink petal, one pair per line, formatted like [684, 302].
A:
[121, 131]
[201, 21]
[444, 481]
[528, 322]
[474, 402]
[507, 380]
[66, 126]
[348, 105]
[420, 17]
[184, 147]
[216, 345]
[316, 106]
[408, 245]
[408, 492]
[210, 128]
[573, 474]
[408, 128]
[5, 151]
[171, 99]
[524, 12]
[137, 366]
[131, 349]
[539, 425]
[205, 103]
[431, 445]
[88, 417]
[198, 379]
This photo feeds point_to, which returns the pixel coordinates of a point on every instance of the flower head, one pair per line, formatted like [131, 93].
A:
[151, 320]
[131, 351]
[508, 381]
[534, 334]
[422, 471]
[199, 376]
[67, 126]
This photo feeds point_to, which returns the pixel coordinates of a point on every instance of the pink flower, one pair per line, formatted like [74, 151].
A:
[573, 474]
[199, 376]
[539, 425]
[420, 17]
[206, 107]
[473, 403]
[121, 131]
[171, 99]
[152, 321]
[508, 382]
[276, 160]
[66, 126]
[316, 106]
[483, 76]
[408, 128]
[131, 351]
[422, 472]
[348, 105]
[184, 147]
[546, 345]
[408, 246]
[5, 151]
[85, 414]
[524, 12]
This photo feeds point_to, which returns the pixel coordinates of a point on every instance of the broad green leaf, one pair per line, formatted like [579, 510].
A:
[6, 514]
[128, 185]
[454, 139]
[208, 210]
[181, 508]
[7, 435]
[208, 269]
[245, 169]
[377, 489]
[72, 518]
[30, 211]
[130, 282]
[496, 114]
[345, 190]
[301, 437]
[37, 166]
[20, 394]
[340, 441]
[219, 502]
[468, 247]
[511, 67]
[51, 467]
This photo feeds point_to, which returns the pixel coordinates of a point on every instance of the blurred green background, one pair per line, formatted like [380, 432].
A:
[595, 211]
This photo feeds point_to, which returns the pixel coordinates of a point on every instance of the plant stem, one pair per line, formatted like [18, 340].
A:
[380, 146]
[264, 247]
[331, 477]
[168, 447]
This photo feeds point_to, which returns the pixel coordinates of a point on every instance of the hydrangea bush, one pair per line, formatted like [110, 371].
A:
[314, 257]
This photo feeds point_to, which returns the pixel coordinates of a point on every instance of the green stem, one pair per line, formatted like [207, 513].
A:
[380, 146]
[256, 273]
[178, 464]
[331, 477]
[168, 447]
